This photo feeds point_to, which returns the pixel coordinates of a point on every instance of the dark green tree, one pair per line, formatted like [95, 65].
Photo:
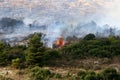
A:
[3, 58]
[35, 51]
[89, 37]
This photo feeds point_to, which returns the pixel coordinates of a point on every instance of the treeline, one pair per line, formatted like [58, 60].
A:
[90, 46]
[21, 56]
[37, 54]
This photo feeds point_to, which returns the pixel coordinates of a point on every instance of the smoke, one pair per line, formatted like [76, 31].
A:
[58, 17]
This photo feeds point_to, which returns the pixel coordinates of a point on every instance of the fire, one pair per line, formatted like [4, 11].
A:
[59, 43]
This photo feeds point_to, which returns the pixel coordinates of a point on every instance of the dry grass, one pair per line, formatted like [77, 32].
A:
[64, 67]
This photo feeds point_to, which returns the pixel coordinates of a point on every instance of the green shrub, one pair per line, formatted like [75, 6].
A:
[13, 53]
[38, 73]
[96, 52]
[51, 55]
[110, 74]
[35, 51]
[90, 77]
[104, 41]
[99, 76]
[2, 46]
[57, 75]
[89, 37]
[3, 59]
[17, 63]
[81, 74]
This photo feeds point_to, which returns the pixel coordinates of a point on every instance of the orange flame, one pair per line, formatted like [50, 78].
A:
[60, 42]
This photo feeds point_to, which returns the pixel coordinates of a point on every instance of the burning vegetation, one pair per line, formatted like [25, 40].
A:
[59, 43]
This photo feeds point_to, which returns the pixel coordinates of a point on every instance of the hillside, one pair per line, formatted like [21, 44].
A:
[38, 62]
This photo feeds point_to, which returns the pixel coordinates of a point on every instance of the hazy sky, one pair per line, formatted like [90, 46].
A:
[101, 11]
[61, 16]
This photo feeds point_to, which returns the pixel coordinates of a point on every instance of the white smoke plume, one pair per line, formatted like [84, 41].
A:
[60, 17]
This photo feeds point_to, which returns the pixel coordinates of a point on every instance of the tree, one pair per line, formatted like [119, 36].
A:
[3, 58]
[2, 46]
[35, 51]
[35, 44]
[15, 52]
[112, 32]
[89, 37]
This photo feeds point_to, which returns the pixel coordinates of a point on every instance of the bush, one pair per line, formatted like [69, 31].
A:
[104, 41]
[107, 74]
[3, 59]
[58, 75]
[17, 63]
[99, 76]
[2, 46]
[81, 74]
[90, 77]
[96, 52]
[89, 37]
[51, 55]
[38, 73]
[13, 53]
[110, 74]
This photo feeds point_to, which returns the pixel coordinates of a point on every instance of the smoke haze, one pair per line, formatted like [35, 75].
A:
[57, 17]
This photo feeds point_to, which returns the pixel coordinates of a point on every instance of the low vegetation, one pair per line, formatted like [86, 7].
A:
[38, 73]
[36, 56]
